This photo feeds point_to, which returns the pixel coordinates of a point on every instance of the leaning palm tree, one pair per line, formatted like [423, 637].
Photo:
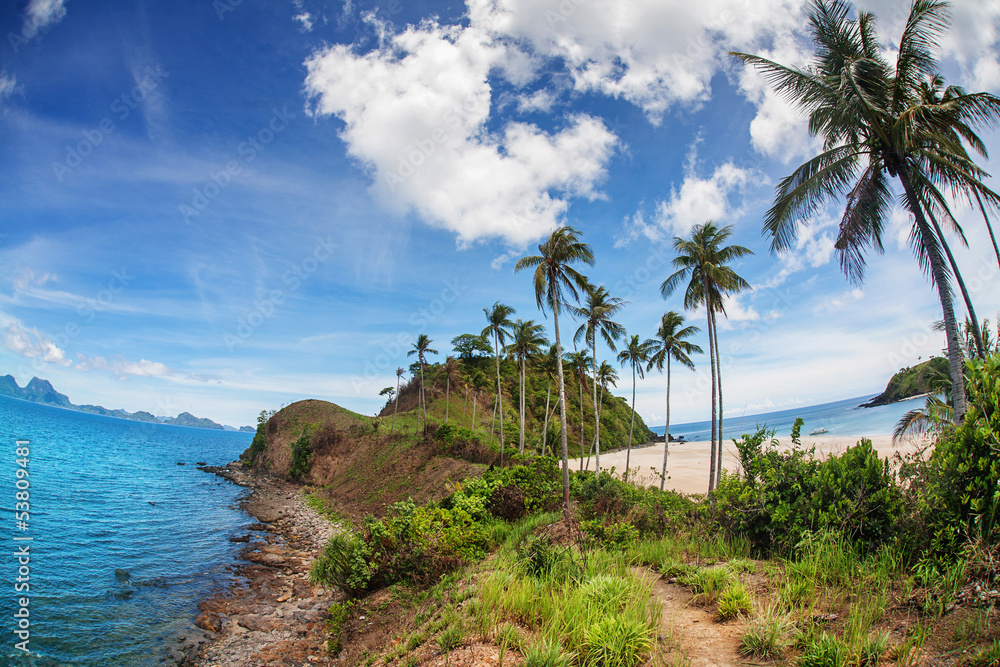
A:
[877, 125]
[580, 361]
[702, 262]
[557, 283]
[597, 312]
[498, 327]
[422, 348]
[670, 344]
[395, 407]
[526, 341]
[635, 353]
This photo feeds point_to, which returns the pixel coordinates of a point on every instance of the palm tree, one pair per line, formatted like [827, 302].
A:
[702, 260]
[600, 307]
[877, 125]
[526, 341]
[479, 382]
[606, 376]
[580, 361]
[399, 376]
[635, 353]
[422, 348]
[670, 344]
[556, 283]
[499, 327]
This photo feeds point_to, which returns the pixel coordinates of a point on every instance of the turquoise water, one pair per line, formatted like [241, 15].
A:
[839, 418]
[106, 494]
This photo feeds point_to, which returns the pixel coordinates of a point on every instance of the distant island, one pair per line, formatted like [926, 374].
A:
[41, 391]
[909, 382]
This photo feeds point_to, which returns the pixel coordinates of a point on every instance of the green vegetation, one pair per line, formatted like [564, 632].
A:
[912, 381]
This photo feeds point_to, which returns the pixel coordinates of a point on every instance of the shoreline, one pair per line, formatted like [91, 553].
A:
[271, 614]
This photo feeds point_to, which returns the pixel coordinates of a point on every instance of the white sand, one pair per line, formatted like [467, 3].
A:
[687, 466]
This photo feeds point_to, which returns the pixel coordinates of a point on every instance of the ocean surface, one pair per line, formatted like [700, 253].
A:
[838, 418]
[107, 494]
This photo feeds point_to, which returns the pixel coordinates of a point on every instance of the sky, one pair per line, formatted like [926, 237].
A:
[224, 206]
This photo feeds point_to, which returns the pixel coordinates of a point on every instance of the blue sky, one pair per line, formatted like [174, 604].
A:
[227, 206]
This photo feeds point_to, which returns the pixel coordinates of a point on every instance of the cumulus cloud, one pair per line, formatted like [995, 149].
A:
[306, 20]
[423, 135]
[813, 248]
[41, 13]
[32, 344]
[122, 368]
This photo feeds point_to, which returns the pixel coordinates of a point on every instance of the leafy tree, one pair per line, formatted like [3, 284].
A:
[702, 262]
[470, 346]
[499, 327]
[670, 344]
[635, 354]
[526, 341]
[422, 348]
[556, 283]
[878, 122]
[597, 312]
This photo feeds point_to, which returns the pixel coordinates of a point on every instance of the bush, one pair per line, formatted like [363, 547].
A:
[301, 456]
[766, 636]
[613, 536]
[649, 510]
[344, 563]
[538, 477]
[508, 503]
[784, 495]
[734, 601]
[616, 642]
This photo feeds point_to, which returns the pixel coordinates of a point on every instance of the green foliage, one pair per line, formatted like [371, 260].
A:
[708, 583]
[916, 380]
[546, 653]
[615, 536]
[344, 564]
[649, 510]
[766, 636]
[824, 651]
[784, 494]
[734, 601]
[617, 642]
[340, 612]
[956, 492]
[301, 456]
[538, 477]
[450, 638]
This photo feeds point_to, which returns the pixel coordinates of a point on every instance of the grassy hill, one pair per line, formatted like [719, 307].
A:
[912, 381]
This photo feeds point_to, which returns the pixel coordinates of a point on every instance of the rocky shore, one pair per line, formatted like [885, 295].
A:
[272, 615]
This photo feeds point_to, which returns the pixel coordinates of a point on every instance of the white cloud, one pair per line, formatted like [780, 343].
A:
[8, 85]
[840, 301]
[814, 246]
[122, 368]
[306, 20]
[41, 13]
[32, 344]
[423, 135]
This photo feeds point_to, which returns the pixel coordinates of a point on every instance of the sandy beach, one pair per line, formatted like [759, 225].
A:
[687, 466]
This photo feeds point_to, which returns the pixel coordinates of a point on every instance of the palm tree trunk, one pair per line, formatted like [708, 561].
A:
[594, 444]
[718, 379]
[396, 406]
[628, 453]
[955, 364]
[465, 404]
[711, 356]
[493, 428]
[977, 334]
[522, 405]
[496, 339]
[982, 208]
[474, 402]
[545, 428]
[583, 454]
[423, 396]
[562, 408]
[447, 394]
[597, 416]
[666, 430]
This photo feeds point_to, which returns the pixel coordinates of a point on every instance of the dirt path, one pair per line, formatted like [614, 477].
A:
[703, 641]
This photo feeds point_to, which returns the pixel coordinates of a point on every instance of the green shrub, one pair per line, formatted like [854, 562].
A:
[707, 583]
[734, 601]
[607, 593]
[766, 636]
[546, 654]
[615, 536]
[616, 642]
[649, 510]
[339, 615]
[450, 638]
[301, 456]
[344, 564]
[825, 651]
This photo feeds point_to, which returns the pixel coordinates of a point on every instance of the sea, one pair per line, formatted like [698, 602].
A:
[122, 541]
[844, 417]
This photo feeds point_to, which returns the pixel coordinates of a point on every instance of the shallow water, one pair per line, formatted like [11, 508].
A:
[108, 494]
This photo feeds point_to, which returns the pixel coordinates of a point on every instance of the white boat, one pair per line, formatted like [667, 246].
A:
[820, 431]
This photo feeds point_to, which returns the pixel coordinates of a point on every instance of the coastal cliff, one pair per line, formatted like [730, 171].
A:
[909, 382]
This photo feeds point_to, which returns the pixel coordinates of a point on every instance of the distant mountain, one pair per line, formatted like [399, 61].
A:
[909, 382]
[42, 391]
[247, 429]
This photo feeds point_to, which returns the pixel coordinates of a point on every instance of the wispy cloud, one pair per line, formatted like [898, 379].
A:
[42, 13]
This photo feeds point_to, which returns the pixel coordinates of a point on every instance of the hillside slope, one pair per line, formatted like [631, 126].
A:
[909, 382]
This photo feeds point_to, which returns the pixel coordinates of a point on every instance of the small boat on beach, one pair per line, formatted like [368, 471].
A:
[820, 431]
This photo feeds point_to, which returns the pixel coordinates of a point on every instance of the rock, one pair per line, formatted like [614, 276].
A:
[181, 463]
[122, 575]
[243, 538]
[210, 622]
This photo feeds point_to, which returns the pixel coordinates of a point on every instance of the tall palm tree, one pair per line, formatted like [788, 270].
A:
[399, 376]
[526, 341]
[422, 348]
[606, 376]
[670, 344]
[498, 327]
[479, 382]
[580, 361]
[702, 261]
[877, 125]
[556, 284]
[635, 353]
[597, 312]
